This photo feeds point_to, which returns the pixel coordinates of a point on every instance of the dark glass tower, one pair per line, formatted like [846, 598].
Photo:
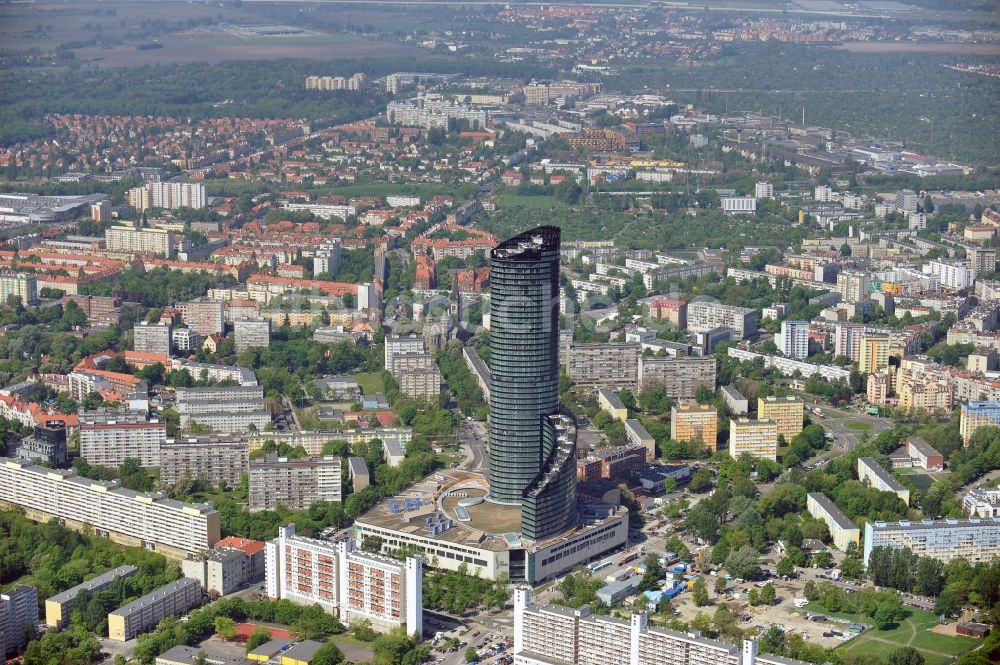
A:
[550, 500]
[524, 357]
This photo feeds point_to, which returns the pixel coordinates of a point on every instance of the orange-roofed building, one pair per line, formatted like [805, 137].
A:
[253, 563]
[424, 277]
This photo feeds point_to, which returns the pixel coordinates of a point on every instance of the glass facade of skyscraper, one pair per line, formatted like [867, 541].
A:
[524, 357]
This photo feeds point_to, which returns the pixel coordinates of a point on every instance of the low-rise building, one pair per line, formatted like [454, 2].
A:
[924, 455]
[982, 502]
[871, 473]
[59, 607]
[611, 403]
[736, 402]
[143, 614]
[638, 435]
[842, 529]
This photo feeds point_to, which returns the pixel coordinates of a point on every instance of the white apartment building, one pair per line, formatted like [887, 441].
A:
[327, 258]
[347, 583]
[953, 274]
[324, 211]
[982, 503]
[367, 296]
[399, 346]
[871, 473]
[186, 339]
[295, 484]
[108, 438]
[433, 111]
[227, 409]
[764, 190]
[167, 195]
[148, 520]
[252, 333]
[703, 316]
[402, 201]
[130, 240]
[555, 635]
[739, 205]
[793, 340]
[847, 340]
[823, 194]
[975, 539]
[421, 383]
[18, 613]
[21, 284]
[151, 337]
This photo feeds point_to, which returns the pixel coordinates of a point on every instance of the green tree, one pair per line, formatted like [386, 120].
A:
[328, 654]
[905, 656]
[700, 593]
[651, 578]
[471, 655]
[768, 594]
[225, 627]
[259, 636]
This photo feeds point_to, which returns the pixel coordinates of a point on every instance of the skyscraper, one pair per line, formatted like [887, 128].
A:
[524, 356]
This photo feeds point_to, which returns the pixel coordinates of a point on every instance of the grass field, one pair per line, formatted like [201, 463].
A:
[860, 426]
[923, 480]
[510, 199]
[424, 190]
[914, 631]
[369, 382]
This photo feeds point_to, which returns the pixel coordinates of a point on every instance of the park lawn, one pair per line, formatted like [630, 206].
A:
[859, 645]
[954, 646]
[936, 648]
[511, 199]
[424, 190]
[369, 382]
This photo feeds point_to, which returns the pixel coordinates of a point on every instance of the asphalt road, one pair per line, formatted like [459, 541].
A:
[473, 438]
[846, 439]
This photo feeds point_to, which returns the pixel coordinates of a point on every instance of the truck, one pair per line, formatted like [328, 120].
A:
[628, 558]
